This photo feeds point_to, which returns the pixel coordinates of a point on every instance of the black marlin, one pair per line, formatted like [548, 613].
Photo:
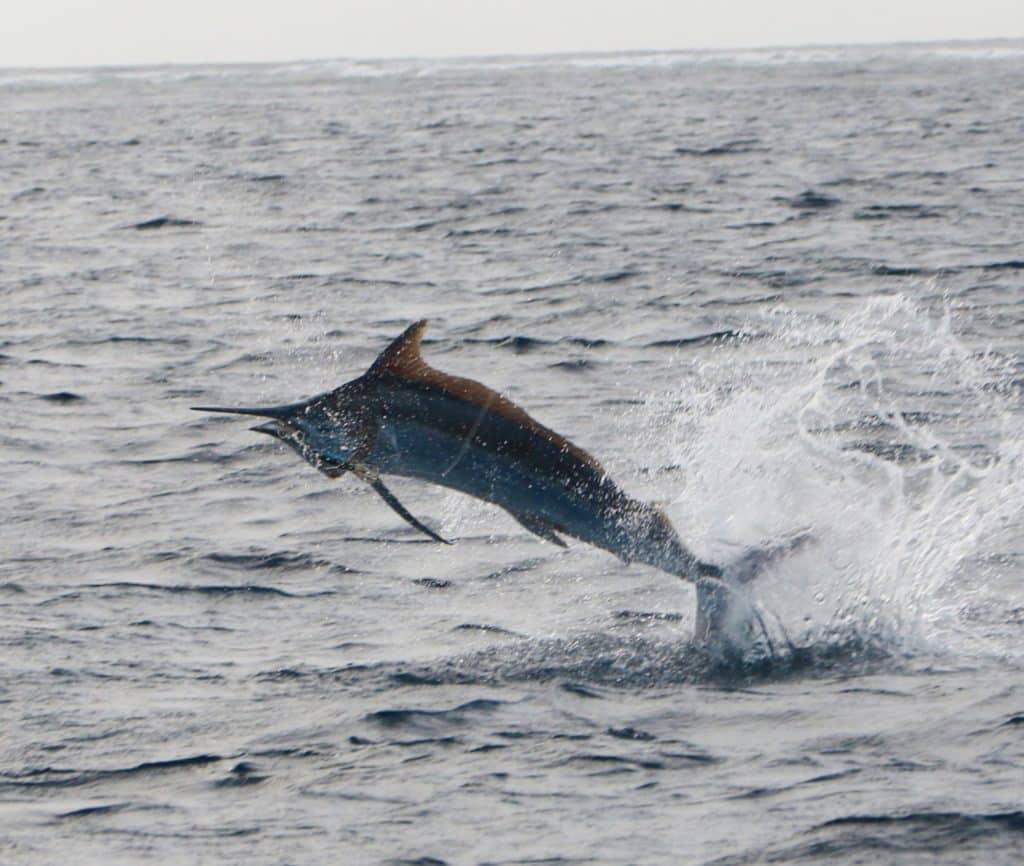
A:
[402, 417]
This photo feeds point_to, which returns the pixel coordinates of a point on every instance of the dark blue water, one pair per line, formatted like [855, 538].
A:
[767, 291]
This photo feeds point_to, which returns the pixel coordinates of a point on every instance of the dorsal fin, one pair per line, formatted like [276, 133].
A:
[402, 357]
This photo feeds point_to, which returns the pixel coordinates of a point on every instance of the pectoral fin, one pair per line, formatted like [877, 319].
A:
[392, 500]
[539, 527]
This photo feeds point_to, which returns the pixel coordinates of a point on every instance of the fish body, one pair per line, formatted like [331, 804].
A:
[404, 418]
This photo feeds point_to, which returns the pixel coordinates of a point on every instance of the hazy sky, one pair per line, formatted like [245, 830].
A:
[110, 32]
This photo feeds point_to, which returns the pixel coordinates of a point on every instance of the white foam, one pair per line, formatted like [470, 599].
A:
[766, 448]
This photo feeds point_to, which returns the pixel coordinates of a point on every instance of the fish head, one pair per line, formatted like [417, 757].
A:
[323, 430]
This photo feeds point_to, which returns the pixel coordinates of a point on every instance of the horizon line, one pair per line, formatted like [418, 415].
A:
[514, 55]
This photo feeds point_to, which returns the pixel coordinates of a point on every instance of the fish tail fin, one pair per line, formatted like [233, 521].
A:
[756, 560]
[723, 613]
[727, 616]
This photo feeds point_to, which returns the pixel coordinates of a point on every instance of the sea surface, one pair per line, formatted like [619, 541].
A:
[768, 290]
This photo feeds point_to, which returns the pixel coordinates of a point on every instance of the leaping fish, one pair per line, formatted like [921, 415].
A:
[403, 417]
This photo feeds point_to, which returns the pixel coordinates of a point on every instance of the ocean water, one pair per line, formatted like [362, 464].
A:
[768, 290]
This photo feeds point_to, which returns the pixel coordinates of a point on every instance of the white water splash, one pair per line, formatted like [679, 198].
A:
[897, 443]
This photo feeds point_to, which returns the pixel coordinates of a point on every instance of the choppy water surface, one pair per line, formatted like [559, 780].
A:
[768, 290]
